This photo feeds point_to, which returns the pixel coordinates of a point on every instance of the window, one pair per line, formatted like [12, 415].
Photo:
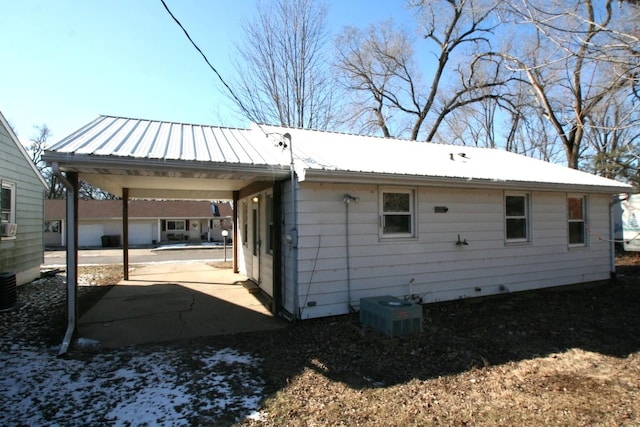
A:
[397, 213]
[270, 229]
[516, 214]
[52, 227]
[577, 206]
[245, 224]
[7, 202]
[7, 209]
[175, 225]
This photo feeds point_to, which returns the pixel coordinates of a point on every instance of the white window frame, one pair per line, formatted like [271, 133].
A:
[12, 200]
[526, 216]
[411, 213]
[583, 220]
[8, 216]
[176, 222]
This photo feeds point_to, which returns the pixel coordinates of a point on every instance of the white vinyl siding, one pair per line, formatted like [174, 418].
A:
[22, 254]
[441, 269]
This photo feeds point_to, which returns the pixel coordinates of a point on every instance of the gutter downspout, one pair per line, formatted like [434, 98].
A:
[294, 232]
[612, 233]
[347, 200]
[72, 255]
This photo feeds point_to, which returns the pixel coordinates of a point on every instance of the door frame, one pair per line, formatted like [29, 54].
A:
[256, 244]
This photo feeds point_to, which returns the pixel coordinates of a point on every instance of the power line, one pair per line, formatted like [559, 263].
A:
[238, 101]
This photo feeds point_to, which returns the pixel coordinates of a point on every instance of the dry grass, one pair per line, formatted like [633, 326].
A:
[566, 356]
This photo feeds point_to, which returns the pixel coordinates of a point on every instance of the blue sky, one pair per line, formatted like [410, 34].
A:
[65, 62]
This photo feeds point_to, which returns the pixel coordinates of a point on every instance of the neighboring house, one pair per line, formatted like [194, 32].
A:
[324, 219]
[21, 207]
[150, 221]
[627, 222]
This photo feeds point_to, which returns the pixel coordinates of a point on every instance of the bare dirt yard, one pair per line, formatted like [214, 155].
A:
[562, 356]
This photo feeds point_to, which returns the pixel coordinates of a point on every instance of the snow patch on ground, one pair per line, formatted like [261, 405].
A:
[160, 386]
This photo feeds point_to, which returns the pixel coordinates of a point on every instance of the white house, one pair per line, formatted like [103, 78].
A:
[324, 219]
[22, 209]
[150, 222]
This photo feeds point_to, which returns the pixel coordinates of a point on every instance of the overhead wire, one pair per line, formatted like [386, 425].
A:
[235, 97]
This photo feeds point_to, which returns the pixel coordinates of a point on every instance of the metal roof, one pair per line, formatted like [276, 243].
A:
[156, 159]
[165, 159]
[147, 139]
[320, 155]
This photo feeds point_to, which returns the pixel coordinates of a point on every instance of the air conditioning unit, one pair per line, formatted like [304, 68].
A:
[9, 229]
[391, 315]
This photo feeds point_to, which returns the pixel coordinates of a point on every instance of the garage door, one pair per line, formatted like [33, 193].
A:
[140, 234]
[90, 234]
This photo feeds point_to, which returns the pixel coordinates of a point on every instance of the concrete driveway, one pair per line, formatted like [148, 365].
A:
[169, 302]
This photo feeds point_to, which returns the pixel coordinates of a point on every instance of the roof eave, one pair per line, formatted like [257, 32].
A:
[71, 161]
[455, 182]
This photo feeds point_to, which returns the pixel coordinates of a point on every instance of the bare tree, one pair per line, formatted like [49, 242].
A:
[36, 149]
[380, 65]
[613, 140]
[568, 54]
[282, 76]
[56, 190]
[87, 191]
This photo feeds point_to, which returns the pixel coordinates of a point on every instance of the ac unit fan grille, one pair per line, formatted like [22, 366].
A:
[391, 315]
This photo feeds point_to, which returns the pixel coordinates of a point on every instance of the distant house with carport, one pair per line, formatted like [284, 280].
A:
[325, 219]
[150, 221]
[22, 209]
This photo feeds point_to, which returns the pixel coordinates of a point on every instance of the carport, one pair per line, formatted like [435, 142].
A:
[133, 158]
[169, 302]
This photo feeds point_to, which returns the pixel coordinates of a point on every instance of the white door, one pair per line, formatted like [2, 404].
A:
[255, 244]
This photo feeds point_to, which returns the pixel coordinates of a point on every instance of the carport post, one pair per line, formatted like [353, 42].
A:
[236, 197]
[70, 183]
[125, 232]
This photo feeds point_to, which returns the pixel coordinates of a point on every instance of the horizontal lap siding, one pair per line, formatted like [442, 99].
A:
[441, 269]
[24, 254]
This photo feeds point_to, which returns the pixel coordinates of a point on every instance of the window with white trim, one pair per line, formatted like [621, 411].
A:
[397, 212]
[577, 217]
[516, 217]
[7, 209]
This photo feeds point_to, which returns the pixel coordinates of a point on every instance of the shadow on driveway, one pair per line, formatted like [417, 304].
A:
[170, 302]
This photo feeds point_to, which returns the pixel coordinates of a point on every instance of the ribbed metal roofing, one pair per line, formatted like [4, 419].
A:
[147, 139]
[321, 153]
[317, 155]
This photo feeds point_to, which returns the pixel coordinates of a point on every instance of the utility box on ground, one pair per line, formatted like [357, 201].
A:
[8, 292]
[391, 315]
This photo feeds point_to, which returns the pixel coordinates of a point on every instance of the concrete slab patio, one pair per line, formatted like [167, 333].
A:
[168, 302]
